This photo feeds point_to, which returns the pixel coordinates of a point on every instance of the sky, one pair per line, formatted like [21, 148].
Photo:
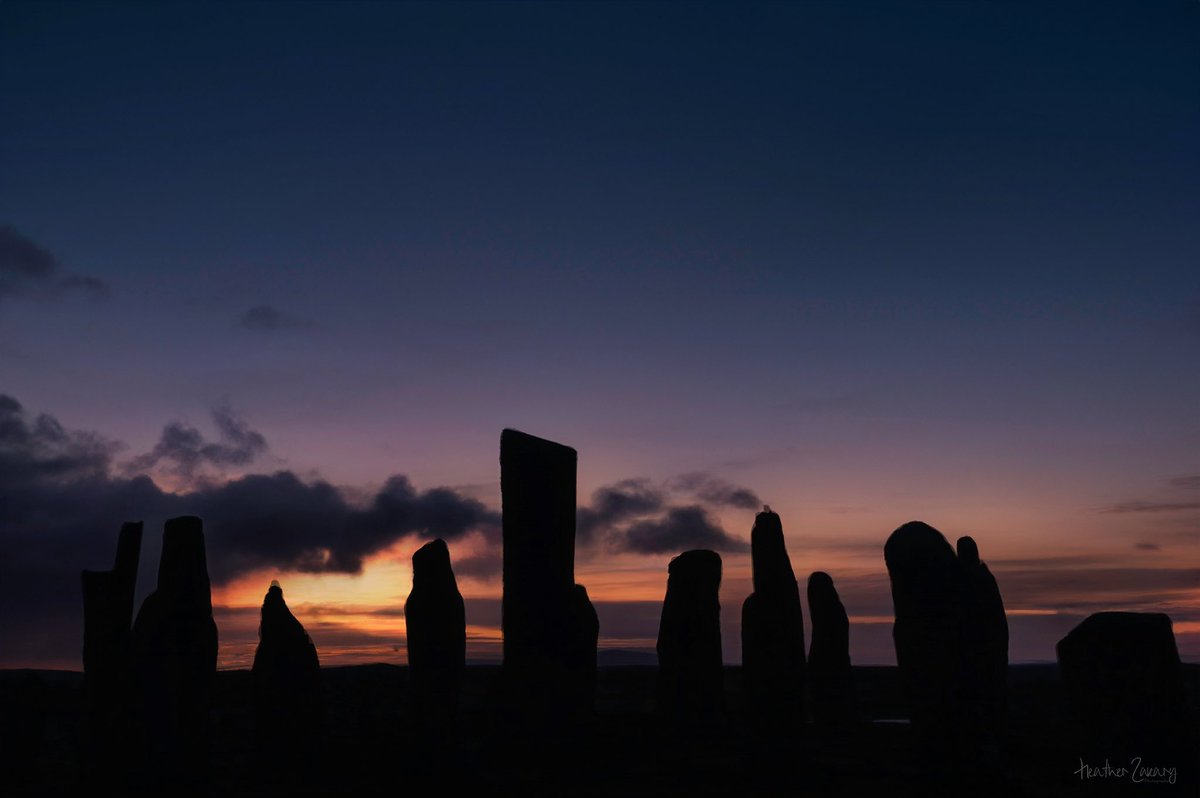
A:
[293, 267]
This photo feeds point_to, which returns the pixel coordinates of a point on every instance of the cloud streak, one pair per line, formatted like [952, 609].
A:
[715, 491]
[28, 270]
[1151, 507]
[269, 319]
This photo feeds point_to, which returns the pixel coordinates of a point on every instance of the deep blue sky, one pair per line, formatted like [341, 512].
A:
[916, 258]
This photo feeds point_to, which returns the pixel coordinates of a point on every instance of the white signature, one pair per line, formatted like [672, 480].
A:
[1136, 772]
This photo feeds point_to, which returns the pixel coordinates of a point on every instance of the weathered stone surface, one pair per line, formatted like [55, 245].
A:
[175, 656]
[772, 631]
[830, 678]
[690, 668]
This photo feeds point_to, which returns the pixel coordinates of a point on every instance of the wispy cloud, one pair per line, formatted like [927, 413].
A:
[714, 490]
[29, 270]
[1150, 507]
[269, 319]
[183, 451]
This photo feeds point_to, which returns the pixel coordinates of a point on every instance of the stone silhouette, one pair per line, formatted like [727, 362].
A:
[985, 646]
[1124, 687]
[107, 663]
[175, 657]
[437, 643]
[927, 596]
[541, 607]
[288, 699]
[830, 679]
[772, 631]
[690, 669]
[23, 715]
[951, 638]
[581, 660]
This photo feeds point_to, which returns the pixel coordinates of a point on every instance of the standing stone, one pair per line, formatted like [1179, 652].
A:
[107, 665]
[927, 595]
[772, 631]
[175, 656]
[1125, 690]
[435, 617]
[985, 646]
[288, 700]
[830, 679]
[23, 714]
[540, 608]
[690, 669]
[581, 663]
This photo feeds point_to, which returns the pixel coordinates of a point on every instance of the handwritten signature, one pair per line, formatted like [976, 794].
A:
[1137, 772]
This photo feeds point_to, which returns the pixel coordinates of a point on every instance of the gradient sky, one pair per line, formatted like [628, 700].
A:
[868, 262]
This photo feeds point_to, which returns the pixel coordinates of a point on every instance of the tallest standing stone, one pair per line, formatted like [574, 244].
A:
[548, 631]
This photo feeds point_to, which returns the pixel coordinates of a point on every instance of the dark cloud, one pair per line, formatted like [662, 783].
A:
[63, 502]
[715, 491]
[1150, 507]
[635, 515]
[1147, 546]
[39, 450]
[1191, 482]
[268, 319]
[682, 528]
[617, 503]
[29, 270]
[183, 451]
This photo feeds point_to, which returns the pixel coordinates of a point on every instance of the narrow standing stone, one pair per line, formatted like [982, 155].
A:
[175, 654]
[830, 678]
[288, 699]
[773, 632]
[985, 646]
[107, 665]
[435, 618]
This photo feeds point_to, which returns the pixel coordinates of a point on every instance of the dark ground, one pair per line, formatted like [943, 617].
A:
[625, 750]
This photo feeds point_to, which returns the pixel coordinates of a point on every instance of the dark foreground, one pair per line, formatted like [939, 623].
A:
[625, 750]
